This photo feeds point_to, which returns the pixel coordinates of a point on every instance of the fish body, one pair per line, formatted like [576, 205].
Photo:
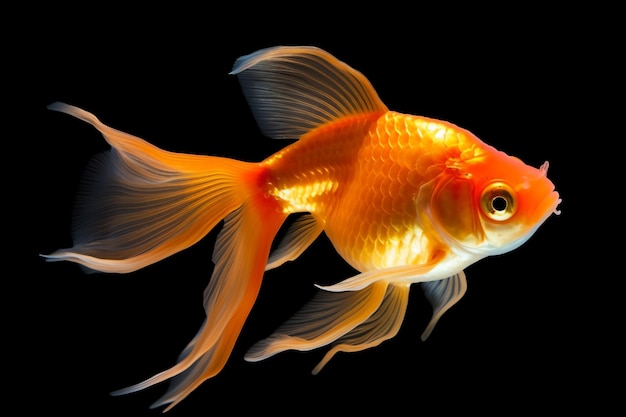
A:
[366, 195]
[404, 199]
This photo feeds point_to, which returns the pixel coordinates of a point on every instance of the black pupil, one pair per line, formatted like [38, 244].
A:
[499, 203]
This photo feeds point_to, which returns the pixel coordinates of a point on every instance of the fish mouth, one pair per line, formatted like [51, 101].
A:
[550, 204]
[547, 207]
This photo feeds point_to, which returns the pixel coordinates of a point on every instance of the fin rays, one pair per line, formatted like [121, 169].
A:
[292, 90]
[243, 246]
[324, 319]
[442, 295]
[299, 236]
[351, 321]
[139, 204]
[380, 326]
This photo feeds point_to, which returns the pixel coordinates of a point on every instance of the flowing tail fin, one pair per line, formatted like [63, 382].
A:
[140, 204]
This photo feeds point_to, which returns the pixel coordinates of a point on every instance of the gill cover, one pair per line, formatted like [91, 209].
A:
[468, 211]
[452, 208]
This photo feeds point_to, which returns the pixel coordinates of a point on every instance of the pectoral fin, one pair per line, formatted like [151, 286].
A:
[399, 273]
[442, 295]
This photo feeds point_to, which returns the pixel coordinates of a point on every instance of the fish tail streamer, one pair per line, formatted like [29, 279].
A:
[240, 256]
[140, 204]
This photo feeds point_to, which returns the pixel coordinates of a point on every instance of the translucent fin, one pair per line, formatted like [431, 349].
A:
[240, 255]
[327, 317]
[364, 279]
[380, 326]
[294, 89]
[442, 295]
[139, 204]
[299, 236]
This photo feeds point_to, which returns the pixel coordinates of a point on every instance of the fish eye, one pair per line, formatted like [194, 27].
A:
[498, 201]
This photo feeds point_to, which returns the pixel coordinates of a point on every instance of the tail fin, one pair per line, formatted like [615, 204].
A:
[240, 257]
[141, 204]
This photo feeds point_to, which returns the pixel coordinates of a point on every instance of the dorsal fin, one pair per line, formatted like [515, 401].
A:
[294, 89]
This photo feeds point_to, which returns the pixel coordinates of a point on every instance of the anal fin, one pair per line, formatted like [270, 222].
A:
[299, 236]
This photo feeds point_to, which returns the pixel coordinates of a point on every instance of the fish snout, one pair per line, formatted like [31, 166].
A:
[548, 206]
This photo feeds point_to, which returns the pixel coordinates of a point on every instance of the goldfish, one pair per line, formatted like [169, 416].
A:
[403, 199]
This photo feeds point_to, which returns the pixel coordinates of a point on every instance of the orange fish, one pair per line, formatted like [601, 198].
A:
[404, 199]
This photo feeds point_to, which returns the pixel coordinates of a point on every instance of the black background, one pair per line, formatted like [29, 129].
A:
[518, 340]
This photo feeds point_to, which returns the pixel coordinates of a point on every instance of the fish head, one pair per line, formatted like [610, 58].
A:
[492, 203]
